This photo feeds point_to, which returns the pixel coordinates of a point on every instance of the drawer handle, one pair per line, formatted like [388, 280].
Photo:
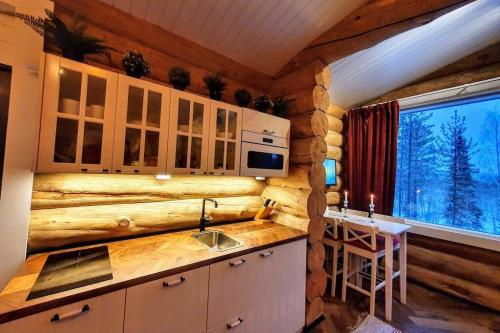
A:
[174, 282]
[57, 317]
[235, 324]
[266, 254]
[237, 263]
[268, 132]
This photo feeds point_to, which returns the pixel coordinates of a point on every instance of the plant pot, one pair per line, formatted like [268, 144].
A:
[215, 95]
[135, 74]
[179, 86]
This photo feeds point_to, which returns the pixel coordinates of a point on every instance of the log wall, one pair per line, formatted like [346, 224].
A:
[335, 141]
[80, 208]
[301, 198]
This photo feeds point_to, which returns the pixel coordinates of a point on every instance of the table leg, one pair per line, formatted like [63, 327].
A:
[402, 267]
[388, 276]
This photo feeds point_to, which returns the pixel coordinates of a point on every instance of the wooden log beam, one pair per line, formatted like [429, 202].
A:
[334, 153]
[372, 23]
[336, 111]
[310, 99]
[68, 190]
[315, 257]
[300, 203]
[302, 176]
[335, 124]
[334, 139]
[332, 198]
[314, 123]
[56, 227]
[314, 309]
[290, 220]
[316, 73]
[308, 150]
[316, 283]
[316, 229]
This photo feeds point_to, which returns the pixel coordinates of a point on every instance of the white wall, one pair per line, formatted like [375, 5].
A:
[19, 47]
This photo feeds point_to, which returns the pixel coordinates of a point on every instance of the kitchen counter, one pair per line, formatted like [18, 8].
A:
[140, 260]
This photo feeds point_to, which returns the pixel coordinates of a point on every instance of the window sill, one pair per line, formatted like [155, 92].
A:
[473, 238]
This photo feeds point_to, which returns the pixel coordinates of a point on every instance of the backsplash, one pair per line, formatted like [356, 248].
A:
[71, 209]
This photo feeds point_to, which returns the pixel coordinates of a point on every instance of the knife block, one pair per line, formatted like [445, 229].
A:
[263, 213]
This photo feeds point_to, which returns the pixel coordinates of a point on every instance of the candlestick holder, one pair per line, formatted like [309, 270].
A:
[344, 209]
[371, 210]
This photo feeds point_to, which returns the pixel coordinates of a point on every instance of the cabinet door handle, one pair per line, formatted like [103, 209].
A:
[70, 314]
[174, 282]
[266, 254]
[235, 324]
[237, 263]
[268, 132]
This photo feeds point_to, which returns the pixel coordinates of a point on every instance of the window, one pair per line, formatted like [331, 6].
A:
[448, 169]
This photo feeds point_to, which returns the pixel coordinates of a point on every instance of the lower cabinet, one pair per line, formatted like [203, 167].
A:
[103, 314]
[174, 304]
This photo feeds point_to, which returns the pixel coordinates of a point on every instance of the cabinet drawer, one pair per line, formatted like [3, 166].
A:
[242, 323]
[103, 314]
[259, 122]
[232, 289]
[174, 304]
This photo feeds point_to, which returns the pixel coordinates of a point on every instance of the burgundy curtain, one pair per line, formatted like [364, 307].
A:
[372, 134]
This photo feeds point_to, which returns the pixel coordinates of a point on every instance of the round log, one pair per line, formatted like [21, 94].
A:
[316, 73]
[334, 139]
[332, 198]
[336, 111]
[313, 123]
[290, 220]
[316, 229]
[334, 153]
[316, 284]
[314, 309]
[288, 200]
[316, 203]
[308, 150]
[309, 99]
[302, 176]
[338, 186]
[315, 256]
[335, 124]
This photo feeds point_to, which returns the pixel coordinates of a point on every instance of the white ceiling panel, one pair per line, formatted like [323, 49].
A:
[262, 34]
[401, 60]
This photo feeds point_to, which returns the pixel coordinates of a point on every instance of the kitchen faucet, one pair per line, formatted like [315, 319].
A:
[204, 220]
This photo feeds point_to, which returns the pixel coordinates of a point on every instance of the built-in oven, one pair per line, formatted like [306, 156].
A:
[265, 143]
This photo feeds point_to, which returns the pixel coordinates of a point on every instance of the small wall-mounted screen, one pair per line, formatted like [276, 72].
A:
[331, 173]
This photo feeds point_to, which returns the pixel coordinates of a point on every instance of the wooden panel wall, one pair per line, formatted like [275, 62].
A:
[301, 196]
[162, 49]
[463, 271]
[79, 208]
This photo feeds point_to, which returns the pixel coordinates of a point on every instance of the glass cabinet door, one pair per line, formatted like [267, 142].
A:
[77, 118]
[188, 137]
[141, 127]
[225, 139]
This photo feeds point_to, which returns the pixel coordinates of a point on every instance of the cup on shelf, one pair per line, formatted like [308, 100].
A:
[70, 106]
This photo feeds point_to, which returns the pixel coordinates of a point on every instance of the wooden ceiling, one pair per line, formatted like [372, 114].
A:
[403, 59]
[262, 34]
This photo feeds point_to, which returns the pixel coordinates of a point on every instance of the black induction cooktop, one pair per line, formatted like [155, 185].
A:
[69, 270]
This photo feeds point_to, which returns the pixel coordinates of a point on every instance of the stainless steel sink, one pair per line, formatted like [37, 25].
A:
[217, 240]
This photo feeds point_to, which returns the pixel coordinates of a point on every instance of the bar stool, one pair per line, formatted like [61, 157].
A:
[333, 239]
[362, 241]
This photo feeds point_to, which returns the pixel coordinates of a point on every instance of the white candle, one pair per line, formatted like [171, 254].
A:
[371, 196]
[345, 195]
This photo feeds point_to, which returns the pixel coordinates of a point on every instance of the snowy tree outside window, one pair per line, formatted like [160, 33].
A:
[448, 168]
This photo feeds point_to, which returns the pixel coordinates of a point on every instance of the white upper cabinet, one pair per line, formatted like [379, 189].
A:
[225, 139]
[77, 124]
[188, 134]
[141, 127]
[263, 123]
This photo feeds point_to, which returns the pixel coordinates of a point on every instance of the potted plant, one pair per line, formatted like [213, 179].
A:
[215, 85]
[242, 97]
[179, 77]
[281, 106]
[263, 103]
[71, 40]
[135, 65]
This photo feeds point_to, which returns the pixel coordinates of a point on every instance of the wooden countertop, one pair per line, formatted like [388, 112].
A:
[140, 260]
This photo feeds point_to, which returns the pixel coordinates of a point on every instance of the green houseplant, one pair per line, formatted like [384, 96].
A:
[263, 103]
[280, 106]
[215, 85]
[242, 97]
[134, 64]
[71, 40]
[179, 77]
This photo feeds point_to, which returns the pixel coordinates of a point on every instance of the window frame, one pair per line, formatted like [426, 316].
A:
[481, 89]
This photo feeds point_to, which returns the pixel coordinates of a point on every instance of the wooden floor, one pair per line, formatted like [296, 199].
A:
[427, 311]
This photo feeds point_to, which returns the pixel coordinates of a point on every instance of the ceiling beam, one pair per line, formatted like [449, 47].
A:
[369, 25]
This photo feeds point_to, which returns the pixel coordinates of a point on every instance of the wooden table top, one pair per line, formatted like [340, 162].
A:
[385, 227]
[140, 260]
